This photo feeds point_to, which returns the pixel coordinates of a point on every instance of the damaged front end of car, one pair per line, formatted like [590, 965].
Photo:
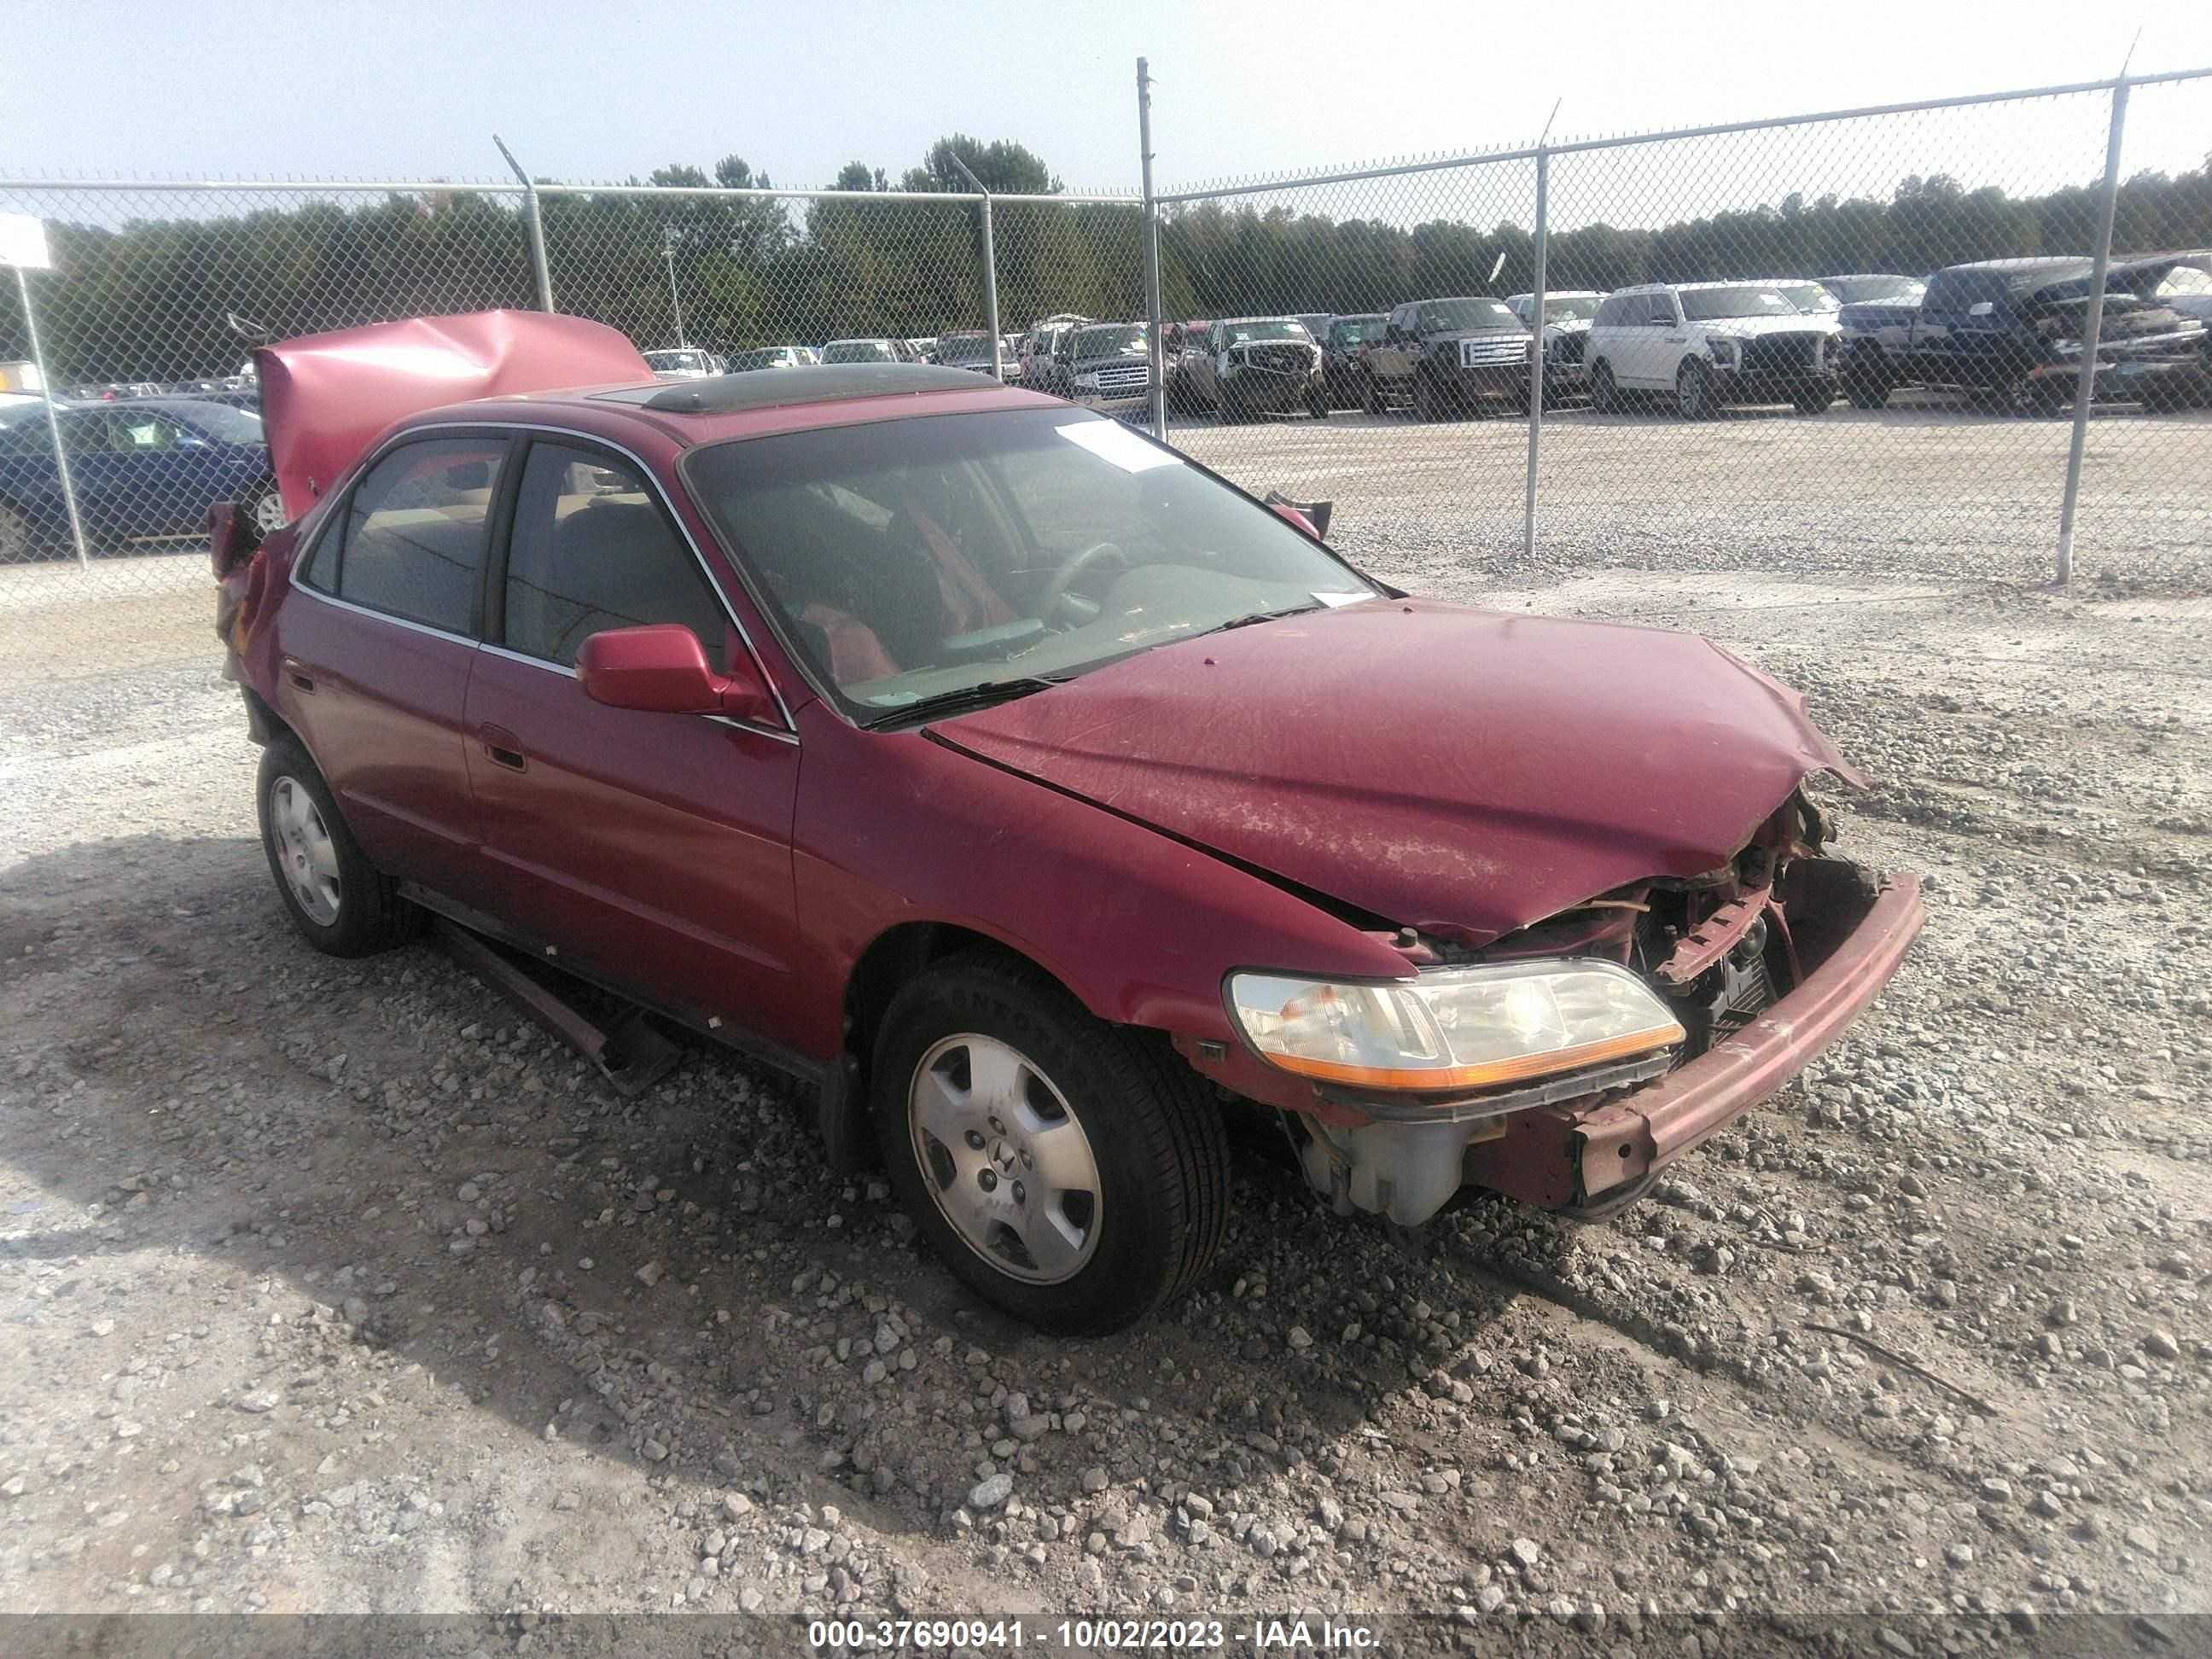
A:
[1564, 1064]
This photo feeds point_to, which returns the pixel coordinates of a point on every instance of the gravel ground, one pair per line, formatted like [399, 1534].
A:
[336, 1287]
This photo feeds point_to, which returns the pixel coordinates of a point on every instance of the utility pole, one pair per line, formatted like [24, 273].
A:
[990, 275]
[1155, 328]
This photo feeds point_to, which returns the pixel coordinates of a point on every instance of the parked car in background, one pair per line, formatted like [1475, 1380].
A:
[1814, 299]
[684, 364]
[143, 469]
[867, 351]
[1103, 366]
[1255, 366]
[1045, 904]
[1342, 371]
[1862, 286]
[1567, 319]
[782, 356]
[1711, 345]
[2008, 332]
[1185, 342]
[970, 351]
[1316, 324]
[1446, 358]
[1039, 345]
[2182, 282]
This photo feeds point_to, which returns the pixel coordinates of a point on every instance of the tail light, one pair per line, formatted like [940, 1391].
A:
[228, 542]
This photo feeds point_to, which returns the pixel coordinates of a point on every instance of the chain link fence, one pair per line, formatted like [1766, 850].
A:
[1739, 364]
[1759, 347]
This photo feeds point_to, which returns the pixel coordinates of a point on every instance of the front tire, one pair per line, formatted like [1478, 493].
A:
[1814, 399]
[1073, 1173]
[1371, 396]
[339, 901]
[1693, 390]
[19, 545]
[1867, 388]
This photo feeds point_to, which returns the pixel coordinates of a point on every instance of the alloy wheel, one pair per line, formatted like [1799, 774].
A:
[305, 852]
[1004, 1158]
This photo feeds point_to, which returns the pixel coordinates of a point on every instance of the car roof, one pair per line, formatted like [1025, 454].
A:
[690, 412]
[2037, 262]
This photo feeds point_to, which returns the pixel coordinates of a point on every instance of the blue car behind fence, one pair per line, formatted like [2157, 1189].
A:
[144, 469]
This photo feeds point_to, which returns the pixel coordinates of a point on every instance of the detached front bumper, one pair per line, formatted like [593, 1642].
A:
[1562, 1158]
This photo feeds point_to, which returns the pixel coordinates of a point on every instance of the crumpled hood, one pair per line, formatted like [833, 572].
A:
[326, 398]
[1463, 771]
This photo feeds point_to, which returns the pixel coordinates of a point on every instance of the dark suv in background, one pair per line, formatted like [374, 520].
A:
[1448, 357]
[1347, 344]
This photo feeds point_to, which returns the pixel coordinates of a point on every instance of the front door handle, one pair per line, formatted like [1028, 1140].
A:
[503, 748]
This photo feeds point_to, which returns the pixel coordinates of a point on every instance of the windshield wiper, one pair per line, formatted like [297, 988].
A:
[1256, 616]
[981, 695]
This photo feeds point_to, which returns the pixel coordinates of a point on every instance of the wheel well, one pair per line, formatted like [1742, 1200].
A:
[264, 724]
[897, 955]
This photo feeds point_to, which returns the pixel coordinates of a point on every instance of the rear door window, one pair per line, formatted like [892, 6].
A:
[591, 550]
[411, 541]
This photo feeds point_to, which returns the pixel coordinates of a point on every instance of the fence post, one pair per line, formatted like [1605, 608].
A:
[53, 421]
[2085, 384]
[535, 223]
[1536, 360]
[990, 276]
[1155, 329]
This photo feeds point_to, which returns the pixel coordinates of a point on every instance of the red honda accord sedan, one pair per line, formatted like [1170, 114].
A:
[1033, 795]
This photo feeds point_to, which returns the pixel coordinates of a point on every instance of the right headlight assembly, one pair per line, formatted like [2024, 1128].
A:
[1452, 1028]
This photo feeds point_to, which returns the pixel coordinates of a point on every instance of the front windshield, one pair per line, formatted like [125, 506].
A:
[1441, 314]
[1705, 305]
[1355, 331]
[859, 351]
[1579, 307]
[909, 559]
[1856, 290]
[1266, 328]
[1109, 341]
[1811, 298]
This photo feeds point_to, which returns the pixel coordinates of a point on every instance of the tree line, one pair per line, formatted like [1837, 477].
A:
[147, 300]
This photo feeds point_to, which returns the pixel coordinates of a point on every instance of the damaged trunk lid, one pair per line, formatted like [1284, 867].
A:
[326, 398]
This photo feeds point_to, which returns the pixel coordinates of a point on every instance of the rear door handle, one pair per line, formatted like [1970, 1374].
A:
[295, 672]
[503, 748]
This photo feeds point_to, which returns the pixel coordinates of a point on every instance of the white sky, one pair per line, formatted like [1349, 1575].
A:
[605, 88]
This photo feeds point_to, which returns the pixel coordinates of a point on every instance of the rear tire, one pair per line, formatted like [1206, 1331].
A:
[982, 1068]
[340, 903]
[1371, 395]
[1814, 399]
[261, 514]
[1604, 391]
[1317, 405]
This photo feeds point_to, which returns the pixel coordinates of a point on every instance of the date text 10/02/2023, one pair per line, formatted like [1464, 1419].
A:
[1291, 1635]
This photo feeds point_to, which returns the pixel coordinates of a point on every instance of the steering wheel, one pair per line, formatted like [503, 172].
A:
[1060, 599]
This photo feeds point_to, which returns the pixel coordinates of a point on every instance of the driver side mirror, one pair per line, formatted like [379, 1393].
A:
[662, 669]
